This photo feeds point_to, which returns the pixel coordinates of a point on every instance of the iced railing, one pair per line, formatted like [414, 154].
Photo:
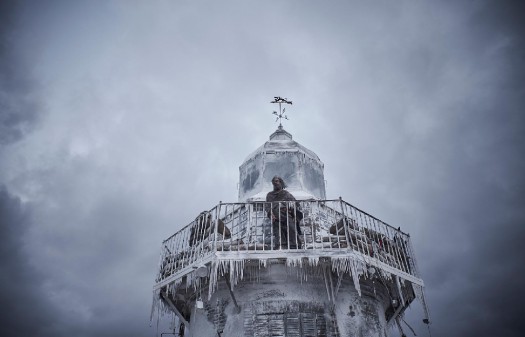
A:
[331, 228]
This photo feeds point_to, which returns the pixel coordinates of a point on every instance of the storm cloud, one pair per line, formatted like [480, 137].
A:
[121, 121]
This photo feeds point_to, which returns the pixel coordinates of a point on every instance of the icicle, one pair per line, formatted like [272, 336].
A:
[401, 298]
[294, 262]
[236, 271]
[213, 278]
[340, 265]
[355, 267]
[233, 273]
[188, 281]
[420, 294]
[313, 260]
[355, 276]
[154, 303]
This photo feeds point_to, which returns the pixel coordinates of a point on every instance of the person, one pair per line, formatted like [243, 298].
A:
[204, 226]
[285, 216]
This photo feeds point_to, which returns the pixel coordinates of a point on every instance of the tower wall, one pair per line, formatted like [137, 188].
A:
[278, 300]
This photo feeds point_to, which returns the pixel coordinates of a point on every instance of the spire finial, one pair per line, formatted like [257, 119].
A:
[281, 114]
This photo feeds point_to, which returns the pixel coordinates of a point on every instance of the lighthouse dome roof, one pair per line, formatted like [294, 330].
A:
[300, 168]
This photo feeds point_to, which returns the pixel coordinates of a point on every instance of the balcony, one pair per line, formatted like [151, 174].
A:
[332, 230]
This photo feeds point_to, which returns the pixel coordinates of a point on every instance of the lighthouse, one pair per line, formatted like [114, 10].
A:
[311, 266]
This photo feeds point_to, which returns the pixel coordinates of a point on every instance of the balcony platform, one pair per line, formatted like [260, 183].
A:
[230, 236]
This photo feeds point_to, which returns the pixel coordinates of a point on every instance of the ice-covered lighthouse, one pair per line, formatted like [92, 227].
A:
[229, 273]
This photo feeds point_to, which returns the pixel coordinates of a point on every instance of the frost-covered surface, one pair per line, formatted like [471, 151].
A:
[276, 298]
[237, 241]
[328, 228]
[301, 169]
[230, 270]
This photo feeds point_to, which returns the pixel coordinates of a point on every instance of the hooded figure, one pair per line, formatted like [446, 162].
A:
[285, 216]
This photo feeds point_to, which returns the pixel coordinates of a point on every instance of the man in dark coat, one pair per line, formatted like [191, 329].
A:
[285, 215]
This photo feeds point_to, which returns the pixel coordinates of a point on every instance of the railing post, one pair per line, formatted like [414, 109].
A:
[162, 258]
[280, 243]
[345, 226]
[412, 258]
[215, 235]
[252, 218]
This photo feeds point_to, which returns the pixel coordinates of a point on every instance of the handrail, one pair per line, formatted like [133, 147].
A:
[314, 227]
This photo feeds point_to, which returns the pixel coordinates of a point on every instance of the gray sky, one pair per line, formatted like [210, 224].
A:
[121, 120]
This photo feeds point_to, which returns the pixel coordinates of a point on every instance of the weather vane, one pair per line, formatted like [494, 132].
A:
[281, 114]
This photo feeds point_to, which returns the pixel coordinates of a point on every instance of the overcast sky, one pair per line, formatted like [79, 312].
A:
[121, 120]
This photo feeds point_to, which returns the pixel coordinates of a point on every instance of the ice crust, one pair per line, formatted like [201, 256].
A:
[301, 169]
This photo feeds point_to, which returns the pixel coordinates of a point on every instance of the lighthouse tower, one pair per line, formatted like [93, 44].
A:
[226, 273]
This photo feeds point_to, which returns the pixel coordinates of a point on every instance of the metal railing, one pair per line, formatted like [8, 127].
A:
[317, 227]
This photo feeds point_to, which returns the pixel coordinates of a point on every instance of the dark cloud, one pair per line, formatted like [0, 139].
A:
[474, 223]
[470, 256]
[17, 103]
[94, 251]
[146, 113]
[27, 311]
[474, 280]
